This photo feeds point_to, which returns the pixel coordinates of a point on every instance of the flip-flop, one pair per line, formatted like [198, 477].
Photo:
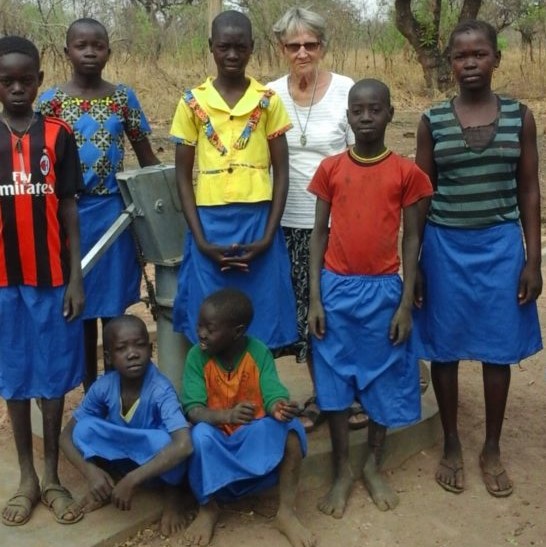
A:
[357, 411]
[312, 412]
[17, 501]
[53, 495]
[454, 468]
[492, 475]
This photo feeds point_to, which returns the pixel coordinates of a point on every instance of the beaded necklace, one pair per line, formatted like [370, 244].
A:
[375, 159]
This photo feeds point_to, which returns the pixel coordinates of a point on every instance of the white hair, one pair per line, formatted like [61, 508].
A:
[300, 19]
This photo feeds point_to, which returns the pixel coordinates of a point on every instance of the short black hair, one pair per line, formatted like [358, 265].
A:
[231, 18]
[86, 21]
[232, 305]
[378, 85]
[111, 328]
[474, 25]
[18, 44]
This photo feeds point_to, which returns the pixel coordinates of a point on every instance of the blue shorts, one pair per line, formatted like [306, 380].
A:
[356, 359]
[470, 308]
[228, 467]
[41, 353]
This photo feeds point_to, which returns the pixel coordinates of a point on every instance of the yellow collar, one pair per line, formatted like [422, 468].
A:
[247, 103]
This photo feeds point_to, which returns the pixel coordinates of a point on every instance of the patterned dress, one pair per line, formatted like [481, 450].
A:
[99, 126]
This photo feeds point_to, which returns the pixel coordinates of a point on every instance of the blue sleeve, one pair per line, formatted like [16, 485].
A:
[95, 402]
[170, 411]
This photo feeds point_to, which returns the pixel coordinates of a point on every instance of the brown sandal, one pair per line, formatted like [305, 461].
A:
[61, 503]
[312, 412]
[358, 419]
[24, 503]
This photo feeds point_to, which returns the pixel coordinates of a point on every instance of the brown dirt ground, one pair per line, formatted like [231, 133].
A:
[427, 515]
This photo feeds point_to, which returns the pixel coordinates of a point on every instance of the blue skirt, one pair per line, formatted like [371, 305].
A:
[41, 354]
[356, 359]
[470, 308]
[267, 283]
[95, 437]
[228, 467]
[113, 284]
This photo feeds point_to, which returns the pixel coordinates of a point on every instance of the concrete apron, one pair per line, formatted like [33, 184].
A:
[108, 526]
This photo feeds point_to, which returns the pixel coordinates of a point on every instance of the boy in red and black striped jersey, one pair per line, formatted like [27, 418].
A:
[41, 292]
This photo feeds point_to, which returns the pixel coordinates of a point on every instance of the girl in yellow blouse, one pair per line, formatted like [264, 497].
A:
[237, 127]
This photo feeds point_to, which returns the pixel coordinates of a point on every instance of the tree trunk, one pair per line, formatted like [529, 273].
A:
[426, 42]
[436, 68]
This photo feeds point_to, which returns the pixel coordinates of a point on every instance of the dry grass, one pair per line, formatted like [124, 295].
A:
[159, 84]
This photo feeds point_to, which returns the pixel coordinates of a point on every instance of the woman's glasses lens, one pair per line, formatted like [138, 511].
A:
[308, 46]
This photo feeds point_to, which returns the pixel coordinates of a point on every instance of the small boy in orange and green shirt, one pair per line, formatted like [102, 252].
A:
[245, 438]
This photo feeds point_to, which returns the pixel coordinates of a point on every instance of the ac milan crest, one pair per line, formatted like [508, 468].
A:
[45, 164]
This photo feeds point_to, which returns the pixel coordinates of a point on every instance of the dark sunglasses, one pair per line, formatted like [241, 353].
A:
[308, 46]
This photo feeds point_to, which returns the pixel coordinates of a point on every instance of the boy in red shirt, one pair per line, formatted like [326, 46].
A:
[360, 310]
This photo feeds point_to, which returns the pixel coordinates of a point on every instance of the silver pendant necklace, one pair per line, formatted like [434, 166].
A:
[303, 129]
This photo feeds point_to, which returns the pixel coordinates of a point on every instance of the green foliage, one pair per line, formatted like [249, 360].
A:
[142, 40]
[427, 28]
[532, 17]
[389, 40]
[502, 43]
[431, 34]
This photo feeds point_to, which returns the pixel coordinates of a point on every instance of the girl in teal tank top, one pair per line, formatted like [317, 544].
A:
[477, 296]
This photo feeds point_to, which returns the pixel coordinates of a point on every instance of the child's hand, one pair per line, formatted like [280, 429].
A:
[316, 319]
[73, 300]
[284, 411]
[100, 483]
[249, 251]
[233, 258]
[400, 325]
[530, 284]
[226, 257]
[123, 493]
[240, 256]
[243, 413]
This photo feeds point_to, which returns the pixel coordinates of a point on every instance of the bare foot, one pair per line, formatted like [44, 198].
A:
[494, 475]
[172, 520]
[201, 530]
[335, 501]
[19, 507]
[288, 524]
[450, 471]
[380, 490]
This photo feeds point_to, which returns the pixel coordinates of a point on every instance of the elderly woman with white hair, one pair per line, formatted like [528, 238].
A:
[316, 101]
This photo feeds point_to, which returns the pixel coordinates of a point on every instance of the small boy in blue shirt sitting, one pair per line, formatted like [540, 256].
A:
[130, 427]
